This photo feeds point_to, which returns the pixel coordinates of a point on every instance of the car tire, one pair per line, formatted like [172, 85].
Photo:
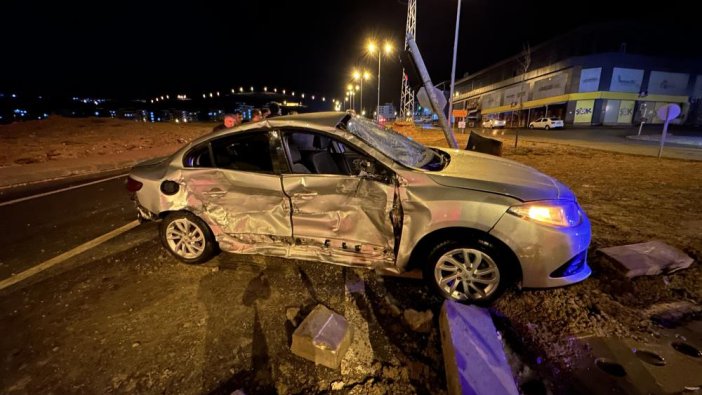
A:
[546, 127]
[450, 256]
[531, 126]
[188, 237]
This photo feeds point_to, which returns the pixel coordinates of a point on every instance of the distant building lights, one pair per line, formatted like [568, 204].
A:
[251, 89]
[210, 94]
[275, 90]
[283, 91]
[302, 95]
[265, 89]
[241, 89]
[204, 96]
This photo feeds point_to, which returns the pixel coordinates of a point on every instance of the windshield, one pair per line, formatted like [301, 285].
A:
[396, 146]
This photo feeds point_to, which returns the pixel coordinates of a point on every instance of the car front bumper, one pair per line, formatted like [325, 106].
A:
[549, 256]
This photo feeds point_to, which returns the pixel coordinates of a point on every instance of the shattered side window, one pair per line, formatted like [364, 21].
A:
[396, 146]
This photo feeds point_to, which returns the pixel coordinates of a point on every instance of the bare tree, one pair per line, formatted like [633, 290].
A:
[524, 64]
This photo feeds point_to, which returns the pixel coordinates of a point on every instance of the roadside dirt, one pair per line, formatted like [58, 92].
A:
[629, 199]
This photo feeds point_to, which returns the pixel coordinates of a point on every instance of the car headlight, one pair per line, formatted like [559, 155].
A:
[549, 212]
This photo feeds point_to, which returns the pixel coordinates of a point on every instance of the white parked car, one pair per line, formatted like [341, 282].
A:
[546, 123]
[494, 123]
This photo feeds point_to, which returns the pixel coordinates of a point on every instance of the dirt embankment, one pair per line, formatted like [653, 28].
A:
[58, 138]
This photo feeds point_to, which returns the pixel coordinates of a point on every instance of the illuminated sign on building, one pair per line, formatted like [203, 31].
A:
[663, 83]
[590, 80]
[626, 80]
[626, 111]
[583, 111]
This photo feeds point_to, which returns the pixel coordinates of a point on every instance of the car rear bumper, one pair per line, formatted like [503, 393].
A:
[549, 256]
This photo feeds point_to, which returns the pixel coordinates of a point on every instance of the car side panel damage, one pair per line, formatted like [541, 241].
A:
[341, 219]
[247, 212]
[428, 209]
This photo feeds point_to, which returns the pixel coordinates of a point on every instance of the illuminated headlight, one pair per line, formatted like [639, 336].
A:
[549, 212]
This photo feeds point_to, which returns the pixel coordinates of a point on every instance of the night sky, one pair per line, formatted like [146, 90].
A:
[142, 49]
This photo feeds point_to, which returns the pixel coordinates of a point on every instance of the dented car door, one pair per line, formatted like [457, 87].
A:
[241, 199]
[341, 219]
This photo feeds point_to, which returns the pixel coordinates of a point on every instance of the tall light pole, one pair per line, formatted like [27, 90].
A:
[361, 75]
[372, 48]
[349, 92]
[453, 67]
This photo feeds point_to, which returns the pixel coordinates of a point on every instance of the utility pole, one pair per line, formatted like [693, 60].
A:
[407, 96]
[453, 68]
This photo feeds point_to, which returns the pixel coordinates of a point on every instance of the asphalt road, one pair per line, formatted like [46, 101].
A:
[126, 316]
[41, 228]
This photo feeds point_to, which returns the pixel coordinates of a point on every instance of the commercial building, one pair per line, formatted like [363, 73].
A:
[605, 75]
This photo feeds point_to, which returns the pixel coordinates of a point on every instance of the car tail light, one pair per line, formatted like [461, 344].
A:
[133, 185]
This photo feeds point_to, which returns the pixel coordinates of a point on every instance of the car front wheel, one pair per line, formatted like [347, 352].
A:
[531, 126]
[467, 272]
[188, 237]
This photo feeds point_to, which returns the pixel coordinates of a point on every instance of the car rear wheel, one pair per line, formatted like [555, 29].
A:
[188, 237]
[547, 127]
[467, 271]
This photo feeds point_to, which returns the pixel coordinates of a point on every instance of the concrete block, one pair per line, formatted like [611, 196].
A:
[650, 258]
[474, 357]
[323, 337]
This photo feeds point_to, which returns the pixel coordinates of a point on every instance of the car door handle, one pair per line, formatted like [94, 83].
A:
[305, 196]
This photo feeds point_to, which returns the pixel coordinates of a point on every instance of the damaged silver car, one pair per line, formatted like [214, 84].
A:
[338, 188]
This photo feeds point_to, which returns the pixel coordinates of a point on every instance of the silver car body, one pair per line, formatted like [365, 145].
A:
[358, 220]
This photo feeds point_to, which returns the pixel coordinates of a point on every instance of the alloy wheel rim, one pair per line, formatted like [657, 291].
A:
[466, 274]
[185, 238]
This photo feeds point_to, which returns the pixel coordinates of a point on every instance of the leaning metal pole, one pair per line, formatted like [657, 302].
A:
[453, 67]
[431, 92]
[407, 95]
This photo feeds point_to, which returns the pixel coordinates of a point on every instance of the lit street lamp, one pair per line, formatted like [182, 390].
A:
[351, 92]
[372, 48]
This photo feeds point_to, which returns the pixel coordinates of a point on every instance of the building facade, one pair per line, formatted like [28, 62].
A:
[583, 86]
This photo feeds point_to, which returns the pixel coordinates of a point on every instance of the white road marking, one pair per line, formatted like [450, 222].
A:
[66, 255]
[60, 190]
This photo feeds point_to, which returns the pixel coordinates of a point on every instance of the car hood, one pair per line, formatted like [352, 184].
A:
[473, 170]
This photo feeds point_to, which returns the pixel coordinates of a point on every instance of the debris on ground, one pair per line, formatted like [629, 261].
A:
[648, 259]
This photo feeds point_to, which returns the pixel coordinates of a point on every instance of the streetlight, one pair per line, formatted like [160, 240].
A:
[361, 75]
[372, 48]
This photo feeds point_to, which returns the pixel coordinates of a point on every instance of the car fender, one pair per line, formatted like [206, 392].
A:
[428, 207]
